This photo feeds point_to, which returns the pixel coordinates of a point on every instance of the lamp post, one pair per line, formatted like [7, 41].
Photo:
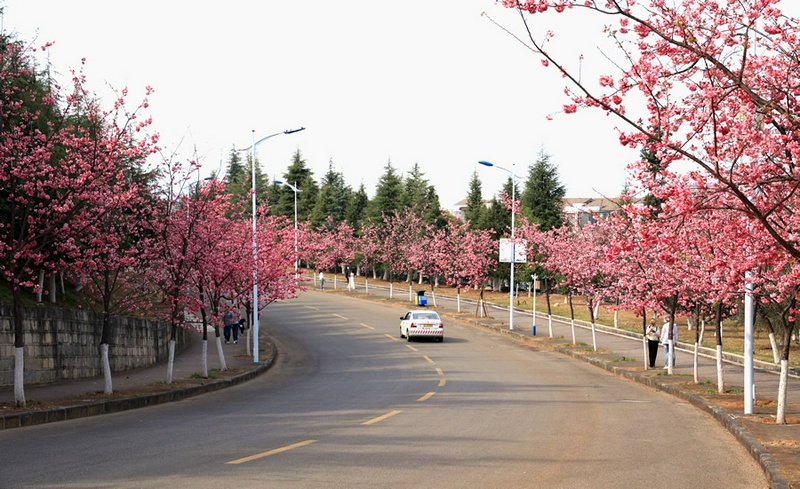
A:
[252, 150]
[295, 190]
[513, 250]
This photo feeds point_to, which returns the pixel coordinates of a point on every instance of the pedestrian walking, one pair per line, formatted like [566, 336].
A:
[665, 341]
[227, 322]
[653, 335]
[322, 281]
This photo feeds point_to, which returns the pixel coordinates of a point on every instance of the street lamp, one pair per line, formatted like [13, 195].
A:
[252, 150]
[295, 190]
[514, 179]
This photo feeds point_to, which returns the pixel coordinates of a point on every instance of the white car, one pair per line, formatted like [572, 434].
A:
[421, 324]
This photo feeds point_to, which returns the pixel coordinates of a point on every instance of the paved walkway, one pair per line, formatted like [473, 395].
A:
[776, 447]
[139, 387]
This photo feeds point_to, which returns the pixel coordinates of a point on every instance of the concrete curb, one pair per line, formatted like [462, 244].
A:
[756, 449]
[18, 420]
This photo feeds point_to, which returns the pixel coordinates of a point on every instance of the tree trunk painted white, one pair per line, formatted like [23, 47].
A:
[106, 366]
[41, 287]
[391, 290]
[689, 323]
[366, 285]
[19, 376]
[458, 301]
[720, 371]
[597, 309]
[170, 361]
[572, 322]
[420, 278]
[480, 308]
[780, 417]
[696, 365]
[249, 348]
[670, 363]
[616, 318]
[550, 324]
[594, 337]
[646, 353]
[410, 294]
[433, 298]
[334, 281]
[223, 365]
[204, 360]
[52, 288]
[774, 344]
[702, 330]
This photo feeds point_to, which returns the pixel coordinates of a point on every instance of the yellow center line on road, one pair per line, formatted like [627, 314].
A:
[380, 418]
[426, 397]
[442, 381]
[271, 452]
[367, 326]
[341, 317]
[411, 348]
[426, 357]
[391, 337]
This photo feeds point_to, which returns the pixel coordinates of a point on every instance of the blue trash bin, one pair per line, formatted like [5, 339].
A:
[421, 299]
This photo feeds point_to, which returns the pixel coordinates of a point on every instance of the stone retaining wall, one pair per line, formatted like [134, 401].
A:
[63, 344]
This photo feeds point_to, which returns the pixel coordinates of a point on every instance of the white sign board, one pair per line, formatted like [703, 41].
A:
[520, 251]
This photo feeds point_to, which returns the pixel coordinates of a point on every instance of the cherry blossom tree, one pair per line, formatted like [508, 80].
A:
[469, 259]
[541, 246]
[219, 243]
[397, 231]
[368, 246]
[61, 161]
[112, 263]
[176, 221]
[708, 85]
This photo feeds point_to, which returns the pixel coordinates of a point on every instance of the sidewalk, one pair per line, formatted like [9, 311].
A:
[775, 447]
[139, 387]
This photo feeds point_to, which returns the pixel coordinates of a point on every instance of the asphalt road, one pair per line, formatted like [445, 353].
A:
[350, 405]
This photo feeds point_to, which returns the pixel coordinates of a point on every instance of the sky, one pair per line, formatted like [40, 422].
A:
[427, 82]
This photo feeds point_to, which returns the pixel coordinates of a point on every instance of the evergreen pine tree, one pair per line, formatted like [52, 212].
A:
[388, 195]
[543, 195]
[415, 191]
[299, 175]
[334, 195]
[475, 208]
[237, 177]
[357, 208]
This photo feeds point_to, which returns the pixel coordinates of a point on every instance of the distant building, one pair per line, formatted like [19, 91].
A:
[578, 211]
[459, 209]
